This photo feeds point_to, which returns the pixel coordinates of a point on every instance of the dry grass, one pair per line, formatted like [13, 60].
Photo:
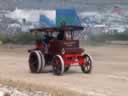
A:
[34, 87]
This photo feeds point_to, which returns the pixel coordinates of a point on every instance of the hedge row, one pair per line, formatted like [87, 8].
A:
[27, 38]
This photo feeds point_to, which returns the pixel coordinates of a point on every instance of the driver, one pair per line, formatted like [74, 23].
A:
[61, 35]
[46, 40]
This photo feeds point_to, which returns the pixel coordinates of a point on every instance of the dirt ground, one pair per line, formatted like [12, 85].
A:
[108, 78]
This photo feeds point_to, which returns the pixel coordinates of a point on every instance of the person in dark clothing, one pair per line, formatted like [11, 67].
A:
[46, 39]
[61, 35]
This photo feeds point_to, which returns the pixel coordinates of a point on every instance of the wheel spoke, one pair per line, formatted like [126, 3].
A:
[86, 67]
[57, 65]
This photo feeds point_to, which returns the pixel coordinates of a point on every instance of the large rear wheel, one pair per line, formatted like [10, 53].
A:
[58, 65]
[36, 62]
[87, 66]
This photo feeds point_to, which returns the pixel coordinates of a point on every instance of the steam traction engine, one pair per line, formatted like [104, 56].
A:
[61, 53]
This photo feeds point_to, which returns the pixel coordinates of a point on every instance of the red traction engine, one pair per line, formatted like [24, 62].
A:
[60, 50]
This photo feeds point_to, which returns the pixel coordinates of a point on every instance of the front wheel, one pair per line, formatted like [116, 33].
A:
[58, 65]
[87, 66]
